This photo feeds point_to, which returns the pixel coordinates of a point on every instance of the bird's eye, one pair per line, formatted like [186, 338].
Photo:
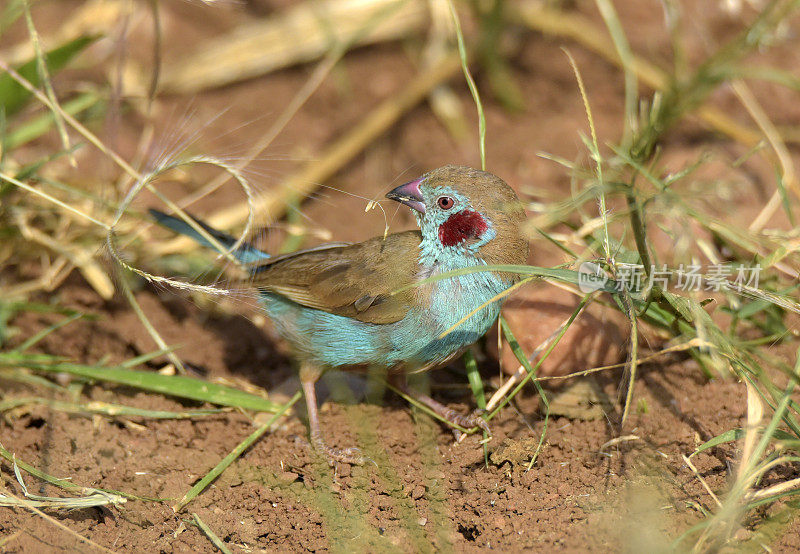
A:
[445, 202]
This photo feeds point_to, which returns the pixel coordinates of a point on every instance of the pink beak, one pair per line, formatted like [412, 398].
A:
[410, 195]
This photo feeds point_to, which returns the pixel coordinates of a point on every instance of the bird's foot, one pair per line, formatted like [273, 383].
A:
[350, 456]
[469, 421]
[448, 414]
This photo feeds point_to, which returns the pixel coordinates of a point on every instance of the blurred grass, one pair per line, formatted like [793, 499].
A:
[14, 96]
[628, 175]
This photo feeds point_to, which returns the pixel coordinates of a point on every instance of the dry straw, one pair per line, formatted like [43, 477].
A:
[334, 157]
[301, 34]
[144, 182]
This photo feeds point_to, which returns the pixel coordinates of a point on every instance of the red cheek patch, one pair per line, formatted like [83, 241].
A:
[462, 226]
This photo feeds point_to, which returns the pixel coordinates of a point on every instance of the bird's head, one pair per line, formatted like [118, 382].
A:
[461, 210]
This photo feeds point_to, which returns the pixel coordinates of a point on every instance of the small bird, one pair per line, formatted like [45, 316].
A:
[345, 305]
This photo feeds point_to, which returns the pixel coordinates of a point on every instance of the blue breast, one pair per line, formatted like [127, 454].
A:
[331, 340]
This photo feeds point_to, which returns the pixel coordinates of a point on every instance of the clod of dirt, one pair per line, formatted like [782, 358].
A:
[515, 452]
[583, 400]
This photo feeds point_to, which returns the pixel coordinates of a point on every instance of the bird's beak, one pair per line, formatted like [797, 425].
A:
[410, 195]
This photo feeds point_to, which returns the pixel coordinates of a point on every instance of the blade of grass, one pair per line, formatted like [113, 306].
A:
[44, 78]
[173, 385]
[151, 330]
[144, 358]
[143, 181]
[106, 409]
[476, 385]
[27, 505]
[39, 126]
[496, 298]
[785, 162]
[89, 499]
[49, 198]
[212, 536]
[473, 89]
[33, 340]
[475, 382]
[23, 376]
[633, 356]
[13, 96]
[523, 359]
[235, 453]
[617, 33]
[531, 370]
[422, 407]
[65, 484]
[558, 274]
[595, 153]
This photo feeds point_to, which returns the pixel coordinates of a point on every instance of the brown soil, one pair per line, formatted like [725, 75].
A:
[636, 494]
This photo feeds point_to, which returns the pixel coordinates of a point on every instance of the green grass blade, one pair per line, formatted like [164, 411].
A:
[475, 382]
[736, 434]
[462, 52]
[235, 453]
[523, 359]
[172, 385]
[565, 275]
[32, 341]
[24, 376]
[144, 358]
[212, 536]
[10, 14]
[476, 385]
[614, 26]
[40, 125]
[13, 96]
[104, 408]
[65, 484]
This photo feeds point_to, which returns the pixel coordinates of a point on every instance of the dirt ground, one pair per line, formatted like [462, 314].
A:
[425, 491]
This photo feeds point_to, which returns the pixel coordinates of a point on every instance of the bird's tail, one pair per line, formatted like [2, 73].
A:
[246, 253]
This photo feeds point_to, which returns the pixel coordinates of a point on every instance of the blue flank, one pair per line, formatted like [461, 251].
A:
[329, 340]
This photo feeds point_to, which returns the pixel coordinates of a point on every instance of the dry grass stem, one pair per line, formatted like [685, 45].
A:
[583, 31]
[143, 180]
[332, 158]
[703, 482]
[521, 372]
[618, 440]
[28, 506]
[778, 146]
[93, 17]
[80, 257]
[44, 76]
[444, 102]
[301, 34]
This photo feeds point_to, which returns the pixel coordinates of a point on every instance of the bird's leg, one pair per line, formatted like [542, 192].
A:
[465, 421]
[309, 376]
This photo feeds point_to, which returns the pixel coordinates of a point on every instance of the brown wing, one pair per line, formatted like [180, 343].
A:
[354, 280]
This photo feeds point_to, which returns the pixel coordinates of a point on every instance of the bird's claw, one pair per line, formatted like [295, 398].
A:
[350, 456]
[470, 421]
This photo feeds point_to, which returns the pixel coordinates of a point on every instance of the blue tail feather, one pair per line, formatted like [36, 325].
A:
[246, 253]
